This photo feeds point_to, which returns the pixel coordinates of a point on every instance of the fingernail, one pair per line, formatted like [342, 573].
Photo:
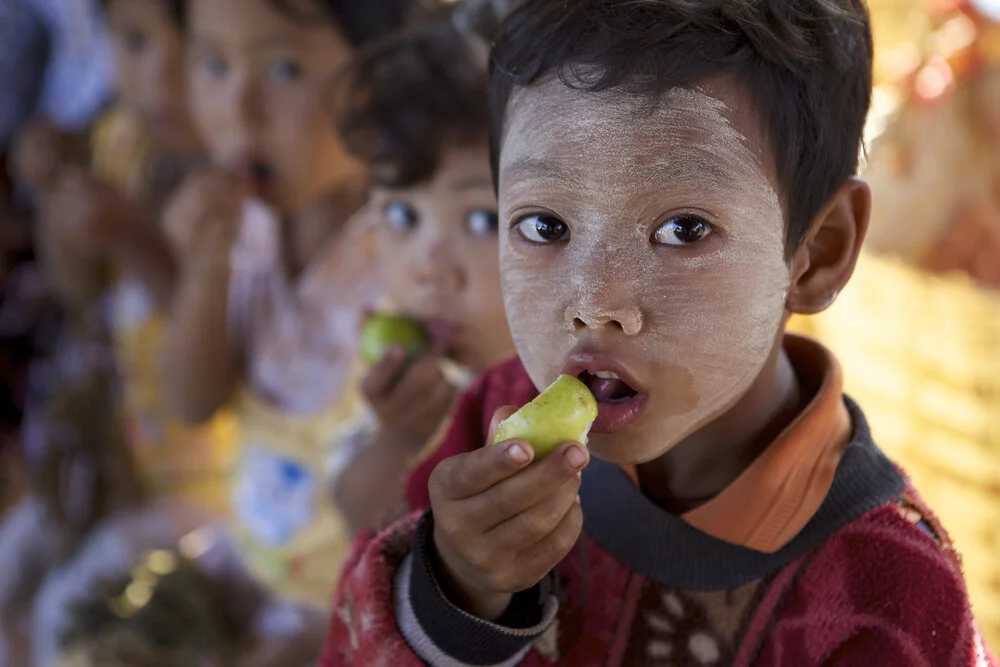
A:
[517, 454]
[576, 457]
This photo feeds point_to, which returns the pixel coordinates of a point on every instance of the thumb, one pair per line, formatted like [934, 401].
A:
[498, 416]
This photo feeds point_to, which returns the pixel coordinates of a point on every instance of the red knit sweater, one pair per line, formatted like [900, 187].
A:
[863, 584]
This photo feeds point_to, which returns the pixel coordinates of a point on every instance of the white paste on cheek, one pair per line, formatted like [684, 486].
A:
[708, 321]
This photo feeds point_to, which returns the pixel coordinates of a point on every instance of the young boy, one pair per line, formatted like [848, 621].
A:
[674, 180]
[415, 108]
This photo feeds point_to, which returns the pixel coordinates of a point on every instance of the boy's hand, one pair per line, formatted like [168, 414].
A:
[38, 153]
[501, 522]
[89, 211]
[202, 220]
[411, 399]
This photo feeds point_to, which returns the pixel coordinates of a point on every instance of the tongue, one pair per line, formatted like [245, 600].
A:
[609, 390]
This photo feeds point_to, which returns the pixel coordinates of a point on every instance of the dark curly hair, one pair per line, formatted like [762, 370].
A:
[805, 64]
[409, 97]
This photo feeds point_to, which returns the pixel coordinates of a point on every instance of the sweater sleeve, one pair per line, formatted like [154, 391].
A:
[389, 609]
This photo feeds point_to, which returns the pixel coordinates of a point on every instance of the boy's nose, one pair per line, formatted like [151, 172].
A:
[438, 268]
[627, 319]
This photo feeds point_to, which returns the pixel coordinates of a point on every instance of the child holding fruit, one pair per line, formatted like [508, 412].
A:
[104, 254]
[273, 277]
[415, 107]
[673, 183]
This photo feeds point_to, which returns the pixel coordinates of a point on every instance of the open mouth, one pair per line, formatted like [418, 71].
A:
[620, 399]
[257, 173]
[607, 387]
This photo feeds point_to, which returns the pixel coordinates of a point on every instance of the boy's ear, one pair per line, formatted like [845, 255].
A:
[825, 260]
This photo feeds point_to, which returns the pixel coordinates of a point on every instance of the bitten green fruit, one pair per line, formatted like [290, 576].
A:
[562, 413]
[382, 332]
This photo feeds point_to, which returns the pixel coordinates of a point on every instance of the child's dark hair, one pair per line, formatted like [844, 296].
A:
[805, 64]
[411, 96]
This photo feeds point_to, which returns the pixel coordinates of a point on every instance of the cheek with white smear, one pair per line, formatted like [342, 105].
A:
[706, 322]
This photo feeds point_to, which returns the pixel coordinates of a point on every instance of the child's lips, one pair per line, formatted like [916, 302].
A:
[621, 399]
[442, 332]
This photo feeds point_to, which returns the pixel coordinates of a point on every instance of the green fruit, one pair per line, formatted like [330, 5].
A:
[562, 413]
[382, 332]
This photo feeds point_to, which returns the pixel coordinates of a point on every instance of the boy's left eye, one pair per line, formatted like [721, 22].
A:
[682, 230]
[400, 216]
[286, 70]
[482, 223]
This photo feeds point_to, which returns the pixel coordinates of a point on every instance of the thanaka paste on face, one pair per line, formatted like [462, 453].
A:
[696, 324]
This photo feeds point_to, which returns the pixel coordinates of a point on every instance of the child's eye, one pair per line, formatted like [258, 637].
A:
[682, 230]
[214, 66]
[400, 216]
[133, 40]
[482, 223]
[286, 70]
[542, 228]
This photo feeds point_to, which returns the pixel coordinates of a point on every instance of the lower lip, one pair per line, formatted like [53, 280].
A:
[618, 416]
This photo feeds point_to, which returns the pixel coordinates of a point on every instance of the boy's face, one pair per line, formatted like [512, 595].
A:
[258, 80]
[149, 61]
[437, 247]
[645, 241]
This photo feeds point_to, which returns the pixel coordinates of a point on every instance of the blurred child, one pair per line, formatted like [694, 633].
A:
[673, 182]
[103, 250]
[416, 108]
[272, 282]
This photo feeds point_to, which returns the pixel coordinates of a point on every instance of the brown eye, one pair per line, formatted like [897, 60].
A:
[482, 223]
[401, 217]
[542, 229]
[134, 41]
[682, 230]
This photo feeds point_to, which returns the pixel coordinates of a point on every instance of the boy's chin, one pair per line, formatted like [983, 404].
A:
[620, 449]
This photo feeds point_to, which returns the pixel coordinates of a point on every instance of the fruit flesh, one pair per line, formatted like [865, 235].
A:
[564, 412]
[383, 332]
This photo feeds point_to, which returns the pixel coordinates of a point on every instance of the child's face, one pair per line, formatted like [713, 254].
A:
[646, 241]
[149, 62]
[437, 246]
[258, 78]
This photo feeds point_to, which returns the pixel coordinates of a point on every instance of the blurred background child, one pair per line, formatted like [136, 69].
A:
[415, 109]
[262, 317]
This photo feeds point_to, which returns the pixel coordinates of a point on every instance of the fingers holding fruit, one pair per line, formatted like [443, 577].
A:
[89, 210]
[205, 213]
[503, 521]
[39, 152]
[507, 514]
[410, 397]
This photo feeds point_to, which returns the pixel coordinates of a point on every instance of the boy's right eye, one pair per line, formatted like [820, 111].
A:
[133, 40]
[401, 217]
[214, 66]
[542, 228]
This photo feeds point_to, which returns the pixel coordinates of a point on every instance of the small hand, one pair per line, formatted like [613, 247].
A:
[502, 522]
[411, 398]
[202, 219]
[89, 211]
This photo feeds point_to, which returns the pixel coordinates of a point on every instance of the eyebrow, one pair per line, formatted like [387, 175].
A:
[471, 183]
[272, 41]
[701, 165]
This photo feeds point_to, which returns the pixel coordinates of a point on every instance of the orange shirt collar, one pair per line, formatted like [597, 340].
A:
[773, 500]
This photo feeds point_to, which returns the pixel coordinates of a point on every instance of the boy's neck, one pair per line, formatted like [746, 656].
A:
[706, 462]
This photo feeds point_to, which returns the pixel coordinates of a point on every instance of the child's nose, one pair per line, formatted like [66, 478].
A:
[627, 318]
[438, 267]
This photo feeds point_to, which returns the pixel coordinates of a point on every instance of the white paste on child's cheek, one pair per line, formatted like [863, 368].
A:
[708, 321]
